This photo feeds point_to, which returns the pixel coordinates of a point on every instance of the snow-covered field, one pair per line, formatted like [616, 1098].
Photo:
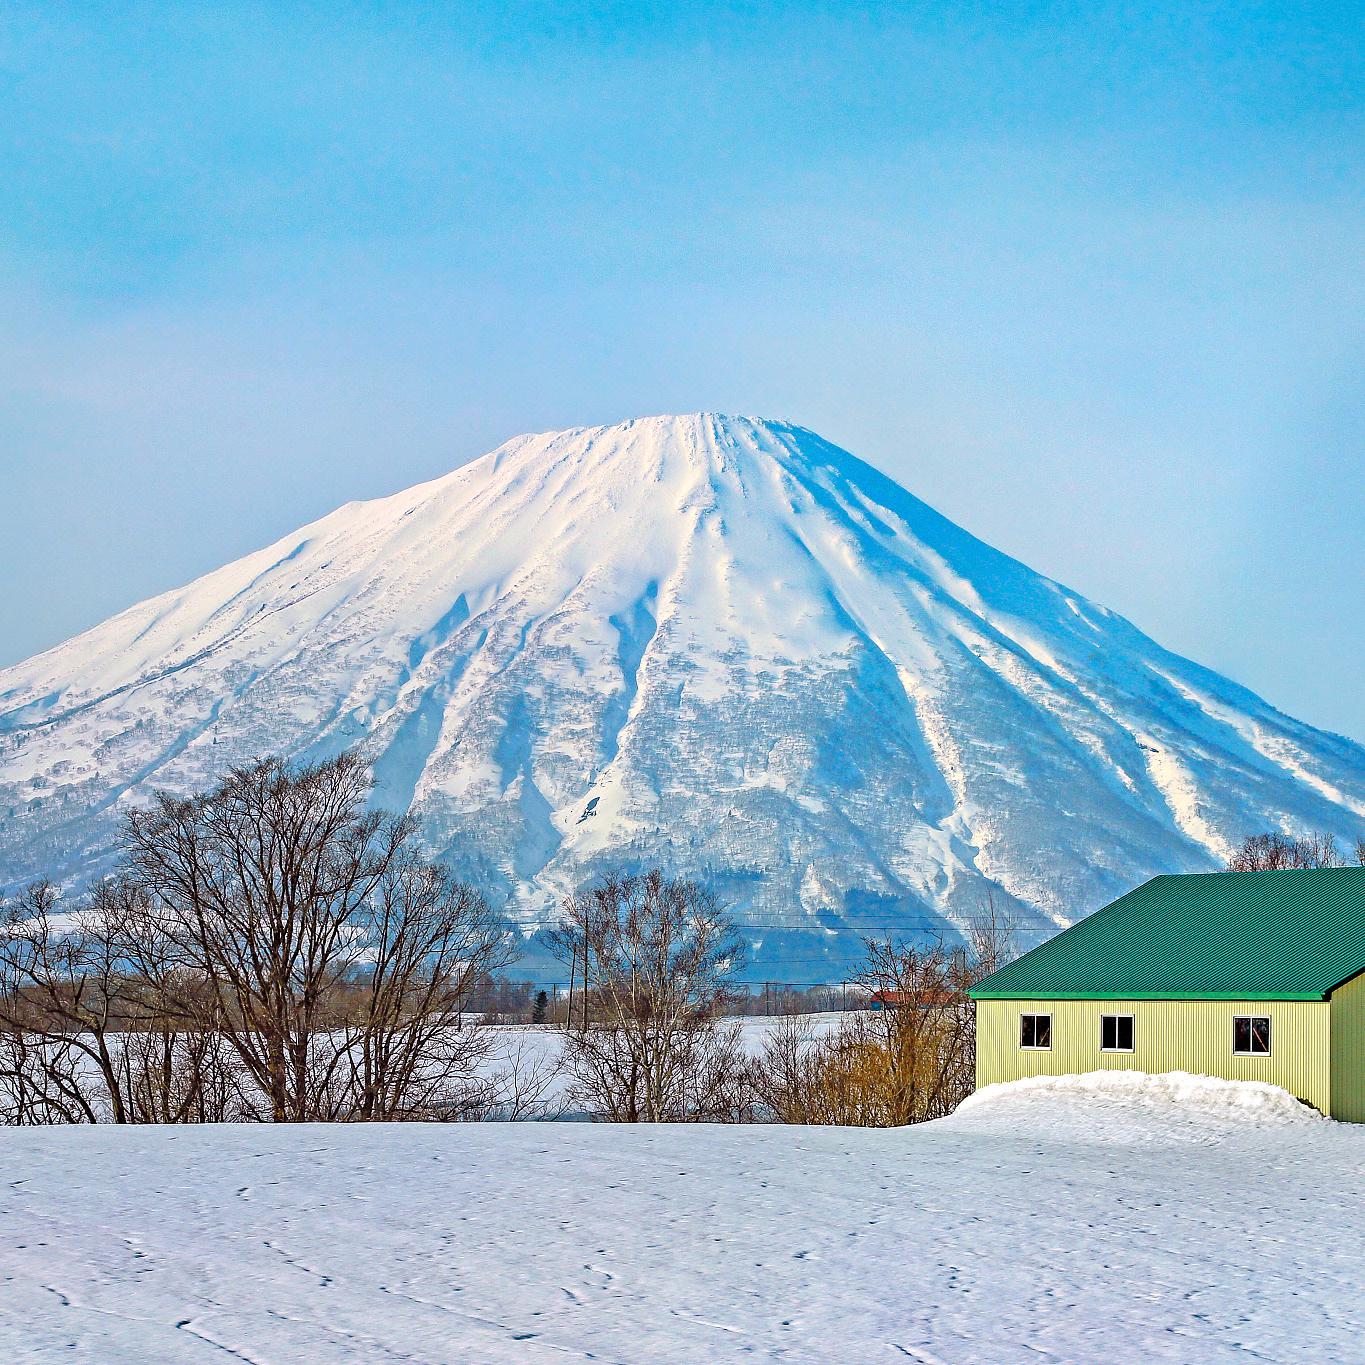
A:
[1183, 1221]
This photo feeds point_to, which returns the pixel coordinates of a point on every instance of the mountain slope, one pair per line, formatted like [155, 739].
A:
[721, 643]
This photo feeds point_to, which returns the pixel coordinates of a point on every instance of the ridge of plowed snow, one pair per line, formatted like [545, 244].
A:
[716, 642]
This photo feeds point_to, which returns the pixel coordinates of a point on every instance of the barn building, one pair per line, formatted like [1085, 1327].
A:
[1247, 975]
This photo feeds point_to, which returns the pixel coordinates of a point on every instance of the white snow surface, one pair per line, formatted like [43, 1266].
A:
[717, 642]
[1106, 1105]
[1078, 1222]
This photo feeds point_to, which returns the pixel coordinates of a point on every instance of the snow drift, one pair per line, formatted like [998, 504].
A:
[1132, 1106]
[716, 642]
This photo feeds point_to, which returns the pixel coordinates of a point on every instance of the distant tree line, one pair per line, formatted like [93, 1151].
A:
[652, 1037]
[1276, 852]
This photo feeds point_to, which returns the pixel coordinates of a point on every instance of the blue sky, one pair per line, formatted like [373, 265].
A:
[1088, 279]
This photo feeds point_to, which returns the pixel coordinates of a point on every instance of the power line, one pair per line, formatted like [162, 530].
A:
[843, 926]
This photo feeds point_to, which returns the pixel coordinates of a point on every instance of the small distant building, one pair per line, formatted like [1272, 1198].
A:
[1253, 976]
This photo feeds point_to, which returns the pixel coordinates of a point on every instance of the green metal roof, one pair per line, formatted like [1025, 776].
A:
[1291, 935]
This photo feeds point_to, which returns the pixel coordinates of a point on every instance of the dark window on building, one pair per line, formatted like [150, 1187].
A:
[1251, 1035]
[1035, 1030]
[1116, 1033]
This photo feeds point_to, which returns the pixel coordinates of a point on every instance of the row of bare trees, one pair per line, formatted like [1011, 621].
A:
[650, 1039]
[271, 949]
[275, 949]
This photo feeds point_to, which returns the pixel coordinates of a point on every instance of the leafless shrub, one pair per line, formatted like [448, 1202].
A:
[846, 1077]
[909, 1058]
[524, 1084]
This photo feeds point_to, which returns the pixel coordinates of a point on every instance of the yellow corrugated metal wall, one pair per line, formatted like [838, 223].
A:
[1348, 1051]
[1169, 1035]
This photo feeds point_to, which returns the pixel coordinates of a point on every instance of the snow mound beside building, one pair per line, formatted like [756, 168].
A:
[1132, 1106]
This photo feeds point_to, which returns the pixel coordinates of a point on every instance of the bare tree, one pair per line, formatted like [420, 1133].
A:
[276, 891]
[428, 939]
[522, 1084]
[657, 958]
[990, 937]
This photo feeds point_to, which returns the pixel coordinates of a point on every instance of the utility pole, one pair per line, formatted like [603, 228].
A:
[585, 983]
[573, 973]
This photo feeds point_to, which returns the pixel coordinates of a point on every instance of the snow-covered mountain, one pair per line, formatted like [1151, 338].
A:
[714, 642]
